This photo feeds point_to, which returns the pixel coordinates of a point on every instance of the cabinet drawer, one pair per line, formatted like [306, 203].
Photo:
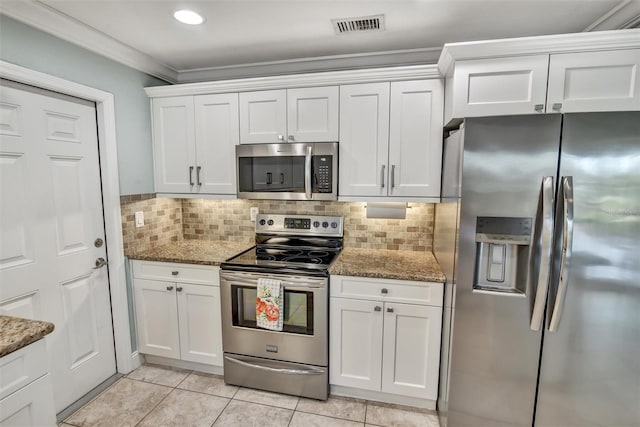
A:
[200, 274]
[22, 367]
[426, 293]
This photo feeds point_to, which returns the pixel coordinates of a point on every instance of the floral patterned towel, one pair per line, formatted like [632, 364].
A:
[269, 304]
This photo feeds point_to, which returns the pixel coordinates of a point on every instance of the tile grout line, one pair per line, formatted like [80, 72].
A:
[161, 400]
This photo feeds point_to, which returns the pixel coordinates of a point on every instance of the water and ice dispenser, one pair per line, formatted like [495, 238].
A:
[502, 249]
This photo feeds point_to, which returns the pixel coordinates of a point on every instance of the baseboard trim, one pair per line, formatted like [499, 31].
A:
[174, 363]
[337, 390]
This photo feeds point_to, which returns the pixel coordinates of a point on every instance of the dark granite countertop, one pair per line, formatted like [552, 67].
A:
[16, 333]
[388, 264]
[205, 252]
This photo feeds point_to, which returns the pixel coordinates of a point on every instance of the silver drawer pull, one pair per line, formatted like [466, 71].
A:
[169, 288]
[377, 308]
[389, 310]
[179, 289]
[384, 291]
[175, 273]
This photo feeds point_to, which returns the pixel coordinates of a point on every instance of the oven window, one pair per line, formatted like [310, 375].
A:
[271, 174]
[298, 309]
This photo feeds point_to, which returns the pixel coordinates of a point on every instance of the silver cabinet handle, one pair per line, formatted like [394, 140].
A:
[393, 176]
[291, 138]
[179, 288]
[382, 176]
[557, 106]
[377, 308]
[307, 172]
[539, 107]
[544, 238]
[169, 288]
[389, 310]
[198, 176]
[191, 175]
[564, 246]
[384, 291]
[175, 272]
[280, 137]
[100, 262]
[281, 178]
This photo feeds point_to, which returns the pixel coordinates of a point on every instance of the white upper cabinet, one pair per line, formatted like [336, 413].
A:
[263, 116]
[216, 139]
[174, 144]
[312, 114]
[364, 139]
[499, 86]
[415, 138]
[289, 115]
[594, 81]
[559, 73]
[194, 139]
[391, 139]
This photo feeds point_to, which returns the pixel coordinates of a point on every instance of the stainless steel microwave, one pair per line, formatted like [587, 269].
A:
[296, 171]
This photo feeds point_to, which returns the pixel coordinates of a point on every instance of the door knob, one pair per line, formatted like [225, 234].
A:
[100, 262]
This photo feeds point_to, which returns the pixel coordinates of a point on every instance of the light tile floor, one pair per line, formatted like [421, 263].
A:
[160, 396]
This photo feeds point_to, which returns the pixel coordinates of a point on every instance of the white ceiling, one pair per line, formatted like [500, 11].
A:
[268, 32]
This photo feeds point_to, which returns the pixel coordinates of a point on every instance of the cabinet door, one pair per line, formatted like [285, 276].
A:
[157, 318]
[364, 139]
[31, 405]
[415, 138]
[263, 116]
[174, 151]
[500, 86]
[217, 134]
[594, 81]
[312, 114]
[355, 358]
[199, 319]
[411, 352]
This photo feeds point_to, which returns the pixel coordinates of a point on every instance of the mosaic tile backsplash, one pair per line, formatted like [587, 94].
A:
[169, 220]
[162, 222]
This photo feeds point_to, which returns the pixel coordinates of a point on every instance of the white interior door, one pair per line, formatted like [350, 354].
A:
[50, 217]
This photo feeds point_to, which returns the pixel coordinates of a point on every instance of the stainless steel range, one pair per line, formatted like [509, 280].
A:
[295, 252]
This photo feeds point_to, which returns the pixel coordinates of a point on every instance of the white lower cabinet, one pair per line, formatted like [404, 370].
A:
[380, 344]
[178, 311]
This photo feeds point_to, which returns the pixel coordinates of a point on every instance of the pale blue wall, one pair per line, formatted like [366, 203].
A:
[26, 46]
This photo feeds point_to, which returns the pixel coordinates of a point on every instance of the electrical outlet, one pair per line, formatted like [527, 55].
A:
[139, 219]
[253, 211]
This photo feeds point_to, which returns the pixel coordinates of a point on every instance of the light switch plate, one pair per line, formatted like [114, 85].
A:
[139, 219]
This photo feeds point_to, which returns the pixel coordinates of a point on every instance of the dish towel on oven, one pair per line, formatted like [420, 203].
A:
[269, 304]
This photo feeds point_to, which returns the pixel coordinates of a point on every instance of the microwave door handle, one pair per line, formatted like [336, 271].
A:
[307, 172]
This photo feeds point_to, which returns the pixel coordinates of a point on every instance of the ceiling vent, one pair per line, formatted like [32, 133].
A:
[358, 25]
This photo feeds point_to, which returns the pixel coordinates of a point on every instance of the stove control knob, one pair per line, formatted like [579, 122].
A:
[270, 222]
[316, 224]
[325, 224]
[263, 222]
[334, 225]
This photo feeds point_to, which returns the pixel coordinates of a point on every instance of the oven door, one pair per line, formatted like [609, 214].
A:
[304, 337]
[297, 171]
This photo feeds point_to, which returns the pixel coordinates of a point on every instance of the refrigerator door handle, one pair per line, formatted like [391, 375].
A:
[566, 187]
[545, 239]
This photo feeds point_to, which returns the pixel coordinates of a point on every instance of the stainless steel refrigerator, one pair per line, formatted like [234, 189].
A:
[546, 311]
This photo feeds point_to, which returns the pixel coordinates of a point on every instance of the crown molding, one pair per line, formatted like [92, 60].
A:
[557, 43]
[47, 19]
[625, 14]
[314, 64]
[326, 78]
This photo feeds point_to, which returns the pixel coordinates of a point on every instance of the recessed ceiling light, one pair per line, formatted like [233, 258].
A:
[188, 17]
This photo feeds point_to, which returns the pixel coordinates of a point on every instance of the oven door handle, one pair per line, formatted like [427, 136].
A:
[310, 371]
[286, 284]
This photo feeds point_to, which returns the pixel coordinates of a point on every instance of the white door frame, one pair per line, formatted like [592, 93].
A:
[126, 359]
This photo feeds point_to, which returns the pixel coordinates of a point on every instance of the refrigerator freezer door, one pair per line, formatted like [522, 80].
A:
[495, 354]
[590, 370]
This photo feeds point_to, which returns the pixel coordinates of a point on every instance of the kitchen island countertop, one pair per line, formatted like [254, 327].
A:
[388, 264]
[17, 333]
[204, 252]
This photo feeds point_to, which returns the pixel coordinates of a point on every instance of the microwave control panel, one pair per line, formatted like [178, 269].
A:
[322, 174]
